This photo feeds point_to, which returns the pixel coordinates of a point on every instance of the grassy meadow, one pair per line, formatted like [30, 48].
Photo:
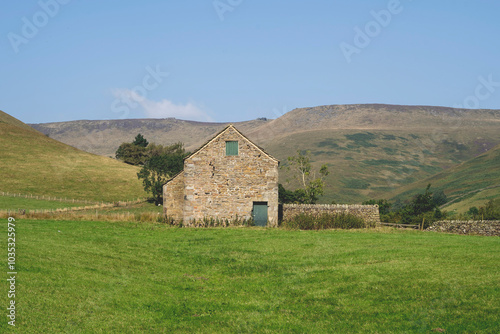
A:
[33, 163]
[102, 277]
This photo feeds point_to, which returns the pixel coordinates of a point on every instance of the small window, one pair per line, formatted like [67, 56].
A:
[231, 148]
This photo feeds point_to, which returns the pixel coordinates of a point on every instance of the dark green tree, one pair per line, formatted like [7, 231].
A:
[162, 164]
[131, 154]
[297, 196]
[422, 203]
[134, 153]
[421, 208]
[473, 212]
[439, 198]
[140, 141]
[491, 211]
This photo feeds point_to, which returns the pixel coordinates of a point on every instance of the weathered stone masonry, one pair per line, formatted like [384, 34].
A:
[219, 186]
[477, 227]
[173, 197]
[369, 213]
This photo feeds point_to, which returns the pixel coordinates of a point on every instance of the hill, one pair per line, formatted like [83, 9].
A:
[104, 137]
[8, 119]
[33, 163]
[371, 149]
[471, 183]
[375, 117]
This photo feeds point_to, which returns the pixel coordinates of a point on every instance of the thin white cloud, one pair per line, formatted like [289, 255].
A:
[161, 109]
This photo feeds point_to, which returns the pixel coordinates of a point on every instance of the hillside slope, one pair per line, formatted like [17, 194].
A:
[8, 119]
[371, 149]
[32, 163]
[471, 183]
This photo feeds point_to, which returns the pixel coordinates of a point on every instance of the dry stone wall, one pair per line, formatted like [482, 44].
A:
[369, 213]
[477, 227]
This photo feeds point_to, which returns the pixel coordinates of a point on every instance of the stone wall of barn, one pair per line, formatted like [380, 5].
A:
[369, 213]
[173, 198]
[224, 187]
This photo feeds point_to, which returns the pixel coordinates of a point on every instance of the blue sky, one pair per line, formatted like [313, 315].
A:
[234, 60]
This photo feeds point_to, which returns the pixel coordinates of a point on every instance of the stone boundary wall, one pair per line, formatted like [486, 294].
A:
[369, 213]
[477, 227]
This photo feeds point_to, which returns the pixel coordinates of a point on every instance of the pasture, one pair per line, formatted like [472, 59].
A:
[117, 277]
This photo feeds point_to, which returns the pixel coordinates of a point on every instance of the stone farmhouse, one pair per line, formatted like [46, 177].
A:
[227, 178]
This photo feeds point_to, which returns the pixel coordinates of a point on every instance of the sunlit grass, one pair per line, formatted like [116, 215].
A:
[133, 277]
[16, 203]
[35, 164]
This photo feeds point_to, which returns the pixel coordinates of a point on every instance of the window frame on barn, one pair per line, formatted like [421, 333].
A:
[232, 148]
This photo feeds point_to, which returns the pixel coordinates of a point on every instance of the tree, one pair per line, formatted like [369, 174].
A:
[422, 207]
[311, 182]
[297, 196]
[134, 153]
[473, 212]
[162, 163]
[140, 141]
[422, 203]
[439, 198]
[491, 211]
[131, 154]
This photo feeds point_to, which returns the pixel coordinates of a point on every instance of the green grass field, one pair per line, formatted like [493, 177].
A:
[95, 277]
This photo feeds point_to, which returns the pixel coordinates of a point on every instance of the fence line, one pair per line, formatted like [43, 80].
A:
[86, 216]
[50, 198]
[72, 209]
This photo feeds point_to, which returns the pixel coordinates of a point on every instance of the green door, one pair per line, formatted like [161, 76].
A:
[259, 213]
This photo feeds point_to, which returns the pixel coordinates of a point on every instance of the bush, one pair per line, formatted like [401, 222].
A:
[491, 211]
[324, 221]
[211, 222]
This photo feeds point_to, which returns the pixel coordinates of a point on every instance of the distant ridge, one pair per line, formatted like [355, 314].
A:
[372, 150]
[104, 137]
[375, 117]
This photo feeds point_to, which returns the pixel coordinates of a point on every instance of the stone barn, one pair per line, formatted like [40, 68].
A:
[227, 178]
